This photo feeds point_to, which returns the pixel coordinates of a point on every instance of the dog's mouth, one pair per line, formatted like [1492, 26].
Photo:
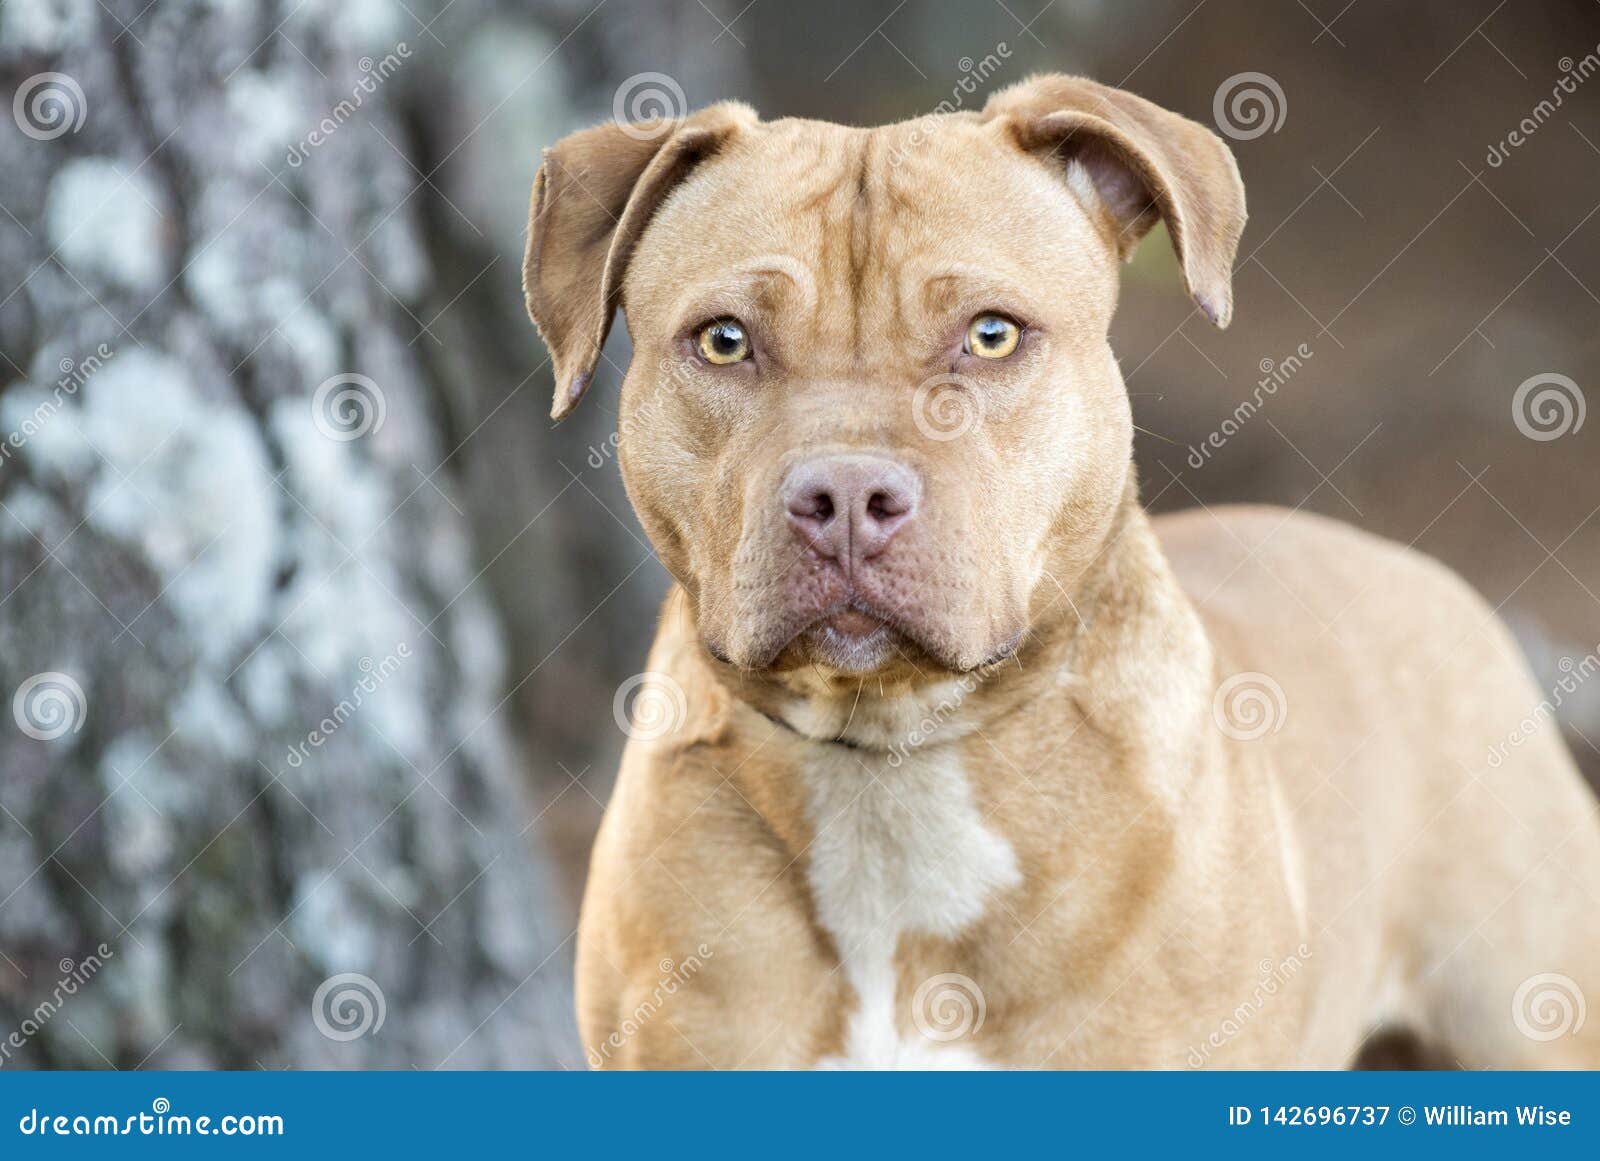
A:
[856, 636]
[852, 639]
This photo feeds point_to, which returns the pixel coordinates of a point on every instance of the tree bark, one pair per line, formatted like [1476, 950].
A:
[259, 805]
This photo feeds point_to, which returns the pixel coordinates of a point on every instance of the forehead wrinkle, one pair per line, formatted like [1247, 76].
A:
[745, 282]
[863, 228]
[918, 280]
[790, 267]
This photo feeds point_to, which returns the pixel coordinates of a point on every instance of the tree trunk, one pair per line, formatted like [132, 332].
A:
[259, 805]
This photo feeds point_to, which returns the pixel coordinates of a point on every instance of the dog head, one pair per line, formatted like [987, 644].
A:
[872, 414]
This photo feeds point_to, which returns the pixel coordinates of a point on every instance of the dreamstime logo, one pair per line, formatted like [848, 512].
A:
[1573, 675]
[1249, 105]
[948, 1007]
[348, 406]
[1548, 406]
[1248, 706]
[348, 1006]
[673, 977]
[74, 374]
[373, 74]
[49, 105]
[649, 105]
[1274, 374]
[1548, 1006]
[945, 407]
[1573, 74]
[932, 722]
[658, 707]
[1275, 976]
[74, 975]
[373, 675]
[974, 76]
[49, 705]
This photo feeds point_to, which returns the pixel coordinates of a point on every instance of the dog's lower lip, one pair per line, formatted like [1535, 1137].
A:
[852, 623]
[850, 641]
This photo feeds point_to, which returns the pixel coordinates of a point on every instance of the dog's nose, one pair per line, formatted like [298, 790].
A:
[848, 507]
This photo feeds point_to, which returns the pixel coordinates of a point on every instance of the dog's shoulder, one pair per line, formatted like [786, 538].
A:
[1259, 557]
[695, 903]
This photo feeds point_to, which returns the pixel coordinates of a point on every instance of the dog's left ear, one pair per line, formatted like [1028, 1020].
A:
[1144, 163]
[592, 199]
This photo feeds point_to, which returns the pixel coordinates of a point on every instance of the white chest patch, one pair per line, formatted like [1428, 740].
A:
[898, 849]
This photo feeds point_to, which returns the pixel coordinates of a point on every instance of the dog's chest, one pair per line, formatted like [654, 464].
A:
[900, 849]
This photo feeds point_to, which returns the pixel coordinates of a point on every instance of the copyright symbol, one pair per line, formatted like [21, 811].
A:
[1408, 1115]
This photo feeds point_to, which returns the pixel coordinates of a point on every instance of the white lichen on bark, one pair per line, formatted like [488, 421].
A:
[225, 581]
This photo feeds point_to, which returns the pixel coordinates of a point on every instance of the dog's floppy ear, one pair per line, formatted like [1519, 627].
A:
[1144, 163]
[592, 199]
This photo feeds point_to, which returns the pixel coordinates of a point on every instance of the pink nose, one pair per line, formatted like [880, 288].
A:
[849, 507]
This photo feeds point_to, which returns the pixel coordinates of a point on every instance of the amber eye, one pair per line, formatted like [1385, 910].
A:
[992, 336]
[724, 341]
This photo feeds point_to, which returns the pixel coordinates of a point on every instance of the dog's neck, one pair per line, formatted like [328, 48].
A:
[1103, 638]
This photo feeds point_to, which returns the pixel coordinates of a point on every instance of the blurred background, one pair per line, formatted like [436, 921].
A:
[312, 627]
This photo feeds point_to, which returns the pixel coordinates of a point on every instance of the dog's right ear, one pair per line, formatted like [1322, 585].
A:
[1143, 163]
[592, 199]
